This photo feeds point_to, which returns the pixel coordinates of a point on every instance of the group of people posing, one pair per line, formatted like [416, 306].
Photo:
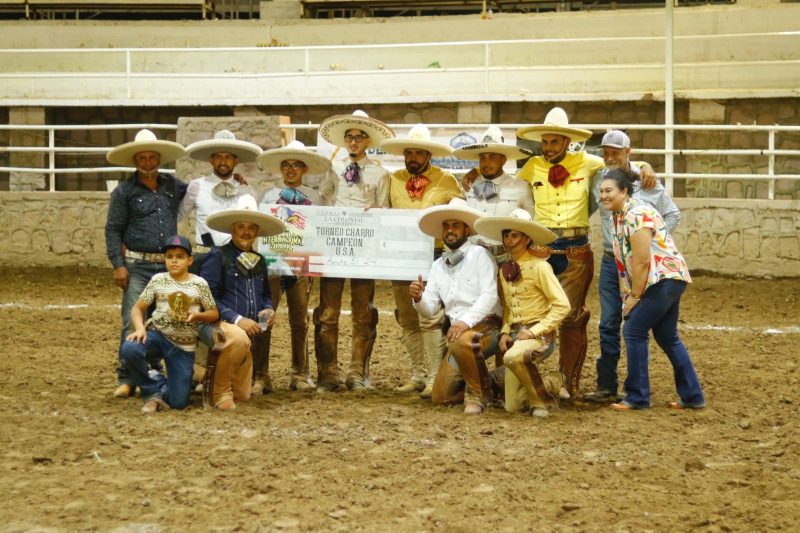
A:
[508, 285]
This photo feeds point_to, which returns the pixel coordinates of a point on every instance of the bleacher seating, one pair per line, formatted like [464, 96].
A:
[388, 8]
[77, 9]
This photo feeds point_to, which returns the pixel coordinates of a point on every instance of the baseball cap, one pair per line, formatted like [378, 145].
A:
[176, 241]
[616, 139]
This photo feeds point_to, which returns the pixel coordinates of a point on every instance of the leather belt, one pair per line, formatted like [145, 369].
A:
[570, 232]
[610, 255]
[145, 256]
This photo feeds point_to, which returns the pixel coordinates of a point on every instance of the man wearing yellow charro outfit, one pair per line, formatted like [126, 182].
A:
[561, 182]
[418, 186]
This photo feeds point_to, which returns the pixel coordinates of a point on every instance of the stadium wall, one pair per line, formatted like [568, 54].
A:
[757, 238]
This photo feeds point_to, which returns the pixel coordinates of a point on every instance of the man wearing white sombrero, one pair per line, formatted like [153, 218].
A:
[143, 211]
[291, 162]
[361, 182]
[238, 278]
[534, 304]
[418, 186]
[561, 183]
[221, 189]
[493, 191]
[463, 281]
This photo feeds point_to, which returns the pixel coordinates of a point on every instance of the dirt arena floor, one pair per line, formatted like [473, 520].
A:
[76, 459]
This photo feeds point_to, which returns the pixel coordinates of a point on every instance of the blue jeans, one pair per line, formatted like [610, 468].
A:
[139, 275]
[180, 365]
[658, 311]
[610, 322]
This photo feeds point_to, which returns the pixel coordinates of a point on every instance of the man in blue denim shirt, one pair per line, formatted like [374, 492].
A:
[142, 213]
[237, 276]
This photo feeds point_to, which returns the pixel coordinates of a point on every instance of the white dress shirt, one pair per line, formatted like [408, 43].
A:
[512, 193]
[201, 198]
[468, 289]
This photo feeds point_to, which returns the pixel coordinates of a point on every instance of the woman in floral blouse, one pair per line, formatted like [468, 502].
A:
[653, 275]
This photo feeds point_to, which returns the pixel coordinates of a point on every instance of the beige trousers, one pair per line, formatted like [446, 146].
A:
[422, 337]
[520, 390]
[232, 379]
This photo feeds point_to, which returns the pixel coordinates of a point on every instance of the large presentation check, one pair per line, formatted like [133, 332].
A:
[347, 242]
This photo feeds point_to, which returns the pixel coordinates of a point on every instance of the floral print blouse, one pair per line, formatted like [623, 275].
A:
[666, 262]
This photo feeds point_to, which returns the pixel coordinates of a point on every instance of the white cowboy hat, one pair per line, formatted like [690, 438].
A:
[430, 220]
[519, 220]
[555, 123]
[224, 141]
[245, 211]
[492, 142]
[145, 141]
[270, 160]
[334, 128]
[419, 137]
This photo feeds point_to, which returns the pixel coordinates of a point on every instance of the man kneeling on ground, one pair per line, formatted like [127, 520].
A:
[237, 275]
[534, 304]
[464, 281]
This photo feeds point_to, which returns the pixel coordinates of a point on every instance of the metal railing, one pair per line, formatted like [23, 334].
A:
[769, 150]
[131, 71]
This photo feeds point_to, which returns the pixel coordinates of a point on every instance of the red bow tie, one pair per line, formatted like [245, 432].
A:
[415, 186]
[557, 175]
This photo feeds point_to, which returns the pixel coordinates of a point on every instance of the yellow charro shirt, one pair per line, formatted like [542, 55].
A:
[566, 206]
[442, 188]
[535, 297]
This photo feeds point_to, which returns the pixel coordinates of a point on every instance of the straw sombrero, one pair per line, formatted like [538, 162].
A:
[555, 123]
[270, 160]
[334, 128]
[494, 143]
[430, 220]
[145, 141]
[223, 141]
[519, 220]
[245, 211]
[419, 137]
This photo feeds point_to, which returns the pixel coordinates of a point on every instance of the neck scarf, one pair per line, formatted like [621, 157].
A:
[511, 270]
[294, 197]
[352, 174]
[452, 257]
[415, 186]
[248, 260]
[224, 190]
[557, 175]
[484, 190]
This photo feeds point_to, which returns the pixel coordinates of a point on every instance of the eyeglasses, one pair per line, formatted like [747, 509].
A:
[297, 165]
[356, 138]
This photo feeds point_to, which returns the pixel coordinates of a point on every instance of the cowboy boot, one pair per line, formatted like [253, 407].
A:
[262, 383]
[435, 349]
[363, 342]
[572, 346]
[412, 341]
[526, 370]
[326, 343]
